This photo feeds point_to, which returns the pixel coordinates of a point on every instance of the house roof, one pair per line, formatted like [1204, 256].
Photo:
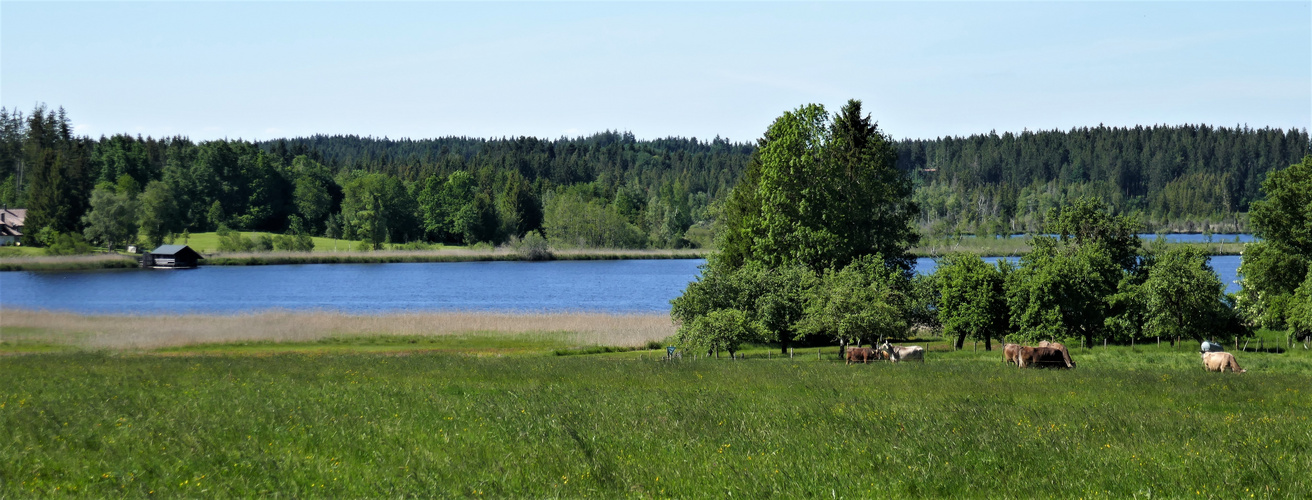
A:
[13, 217]
[175, 250]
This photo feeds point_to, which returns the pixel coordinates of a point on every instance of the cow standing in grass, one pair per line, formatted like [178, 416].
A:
[1044, 357]
[1220, 361]
[909, 353]
[862, 354]
[1009, 353]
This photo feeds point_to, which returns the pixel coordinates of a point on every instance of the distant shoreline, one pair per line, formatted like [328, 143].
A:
[983, 248]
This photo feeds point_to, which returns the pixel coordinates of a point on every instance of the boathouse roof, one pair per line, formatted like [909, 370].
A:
[176, 251]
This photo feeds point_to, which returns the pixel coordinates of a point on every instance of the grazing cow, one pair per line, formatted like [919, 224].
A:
[862, 354]
[1219, 361]
[1207, 346]
[1062, 348]
[909, 353]
[1009, 352]
[1044, 357]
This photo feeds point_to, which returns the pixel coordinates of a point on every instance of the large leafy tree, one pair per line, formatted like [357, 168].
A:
[1063, 287]
[312, 193]
[820, 192]
[1184, 297]
[1060, 291]
[972, 299]
[113, 217]
[158, 212]
[1272, 270]
[718, 330]
[860, 302]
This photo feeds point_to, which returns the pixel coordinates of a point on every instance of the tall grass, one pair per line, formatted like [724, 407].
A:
[68, 262]
[148, 332]
[98, 425]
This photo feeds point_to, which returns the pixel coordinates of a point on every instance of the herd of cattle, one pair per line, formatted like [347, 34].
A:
[1045, 355]
[885, 351]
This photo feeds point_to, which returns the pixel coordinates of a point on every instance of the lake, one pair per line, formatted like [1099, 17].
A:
[616, 286]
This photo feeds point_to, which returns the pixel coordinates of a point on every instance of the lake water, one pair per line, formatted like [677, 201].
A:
[1184, 237]
[601, 286]
[1226, 267]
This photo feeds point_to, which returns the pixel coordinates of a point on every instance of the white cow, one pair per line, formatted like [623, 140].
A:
[909, 353]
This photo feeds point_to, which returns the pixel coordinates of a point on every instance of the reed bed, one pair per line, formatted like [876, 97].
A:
[132, 332]
[67, 262]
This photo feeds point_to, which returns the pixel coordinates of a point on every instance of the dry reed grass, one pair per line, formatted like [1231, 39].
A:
[128, 332]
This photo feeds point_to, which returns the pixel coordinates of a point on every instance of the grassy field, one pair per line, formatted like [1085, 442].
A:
[498, 411]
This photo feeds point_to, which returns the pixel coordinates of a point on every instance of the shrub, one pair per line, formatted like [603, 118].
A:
[233, 241]
[723, 329]
[532, 247]
[67, 244]
[264, 243]
[293, 243]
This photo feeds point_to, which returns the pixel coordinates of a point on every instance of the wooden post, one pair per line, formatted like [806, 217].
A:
[790, 353]
[1104, 342]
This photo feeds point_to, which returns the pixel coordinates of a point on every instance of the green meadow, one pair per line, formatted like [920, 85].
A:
[500, 415]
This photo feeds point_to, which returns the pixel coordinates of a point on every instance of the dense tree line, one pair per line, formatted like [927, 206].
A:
[1174, 177]
[608, 189]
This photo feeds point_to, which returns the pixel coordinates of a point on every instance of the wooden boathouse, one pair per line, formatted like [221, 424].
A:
[171, 257]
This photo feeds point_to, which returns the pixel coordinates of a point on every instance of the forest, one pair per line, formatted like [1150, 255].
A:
[609, 189]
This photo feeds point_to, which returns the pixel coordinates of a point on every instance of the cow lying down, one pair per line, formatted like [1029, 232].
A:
[1220, 361]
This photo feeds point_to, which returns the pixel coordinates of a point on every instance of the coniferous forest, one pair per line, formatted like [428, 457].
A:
[604, 190]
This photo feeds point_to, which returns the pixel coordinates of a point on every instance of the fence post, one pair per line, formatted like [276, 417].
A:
[817, 354]
[1104, 342]
[790, 353]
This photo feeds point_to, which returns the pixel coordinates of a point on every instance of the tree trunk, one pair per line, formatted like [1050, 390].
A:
[961, 341]
[988, 343]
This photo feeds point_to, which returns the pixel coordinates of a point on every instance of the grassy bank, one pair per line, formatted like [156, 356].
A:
[445, 255]
[362, 423]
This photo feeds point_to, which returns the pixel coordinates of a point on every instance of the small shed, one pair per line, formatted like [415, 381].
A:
[171, 257]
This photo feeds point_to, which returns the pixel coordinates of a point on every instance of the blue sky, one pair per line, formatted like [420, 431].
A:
[267, 70]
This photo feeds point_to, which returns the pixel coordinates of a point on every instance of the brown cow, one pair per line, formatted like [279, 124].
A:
[1219, 361]
[1044, 356]
[1058, 345]
[1009, 352]
[862, 354]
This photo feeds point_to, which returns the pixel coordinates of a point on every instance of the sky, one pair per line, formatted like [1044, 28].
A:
[256, 70]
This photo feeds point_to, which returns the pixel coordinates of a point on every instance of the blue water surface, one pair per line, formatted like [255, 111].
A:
[600, 286]
[615, 286]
